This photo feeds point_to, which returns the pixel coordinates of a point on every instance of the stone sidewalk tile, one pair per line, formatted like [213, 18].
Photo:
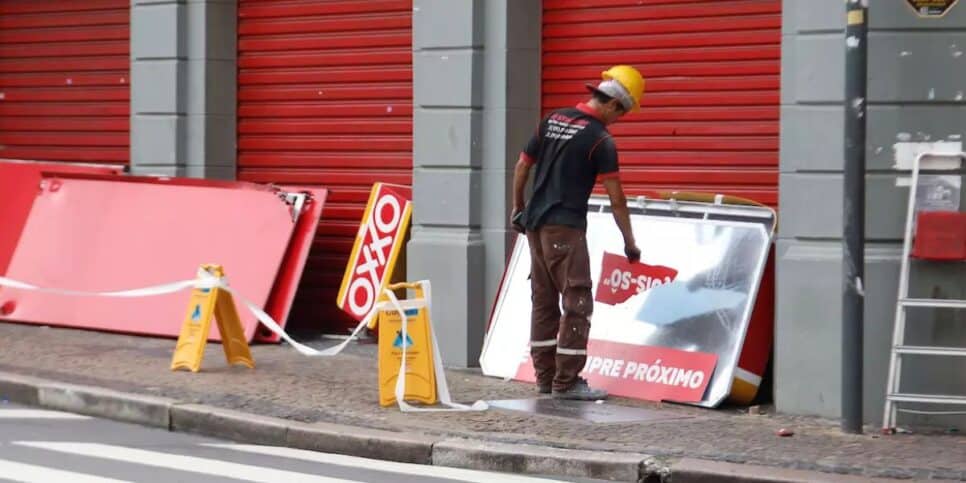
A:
[343, 390]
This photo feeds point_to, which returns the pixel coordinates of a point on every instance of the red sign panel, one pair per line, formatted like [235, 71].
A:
[111, 233]
[643, 372]
[280, 300]
[376, 249]
[620, 280]
[19, 185]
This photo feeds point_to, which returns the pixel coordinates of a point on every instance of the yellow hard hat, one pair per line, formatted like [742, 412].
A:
[628, 77]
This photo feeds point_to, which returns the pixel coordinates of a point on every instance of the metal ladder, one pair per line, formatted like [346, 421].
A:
[894, 396]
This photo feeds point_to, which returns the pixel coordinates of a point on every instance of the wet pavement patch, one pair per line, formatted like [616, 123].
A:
[589, 411]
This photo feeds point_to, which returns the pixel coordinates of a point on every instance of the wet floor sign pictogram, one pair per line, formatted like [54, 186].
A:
[205, 303]
[399, 343]
[420, 374]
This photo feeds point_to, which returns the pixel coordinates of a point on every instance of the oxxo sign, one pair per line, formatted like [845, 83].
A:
[376, 248]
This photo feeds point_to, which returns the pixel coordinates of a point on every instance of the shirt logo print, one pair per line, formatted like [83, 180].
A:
[563, 127]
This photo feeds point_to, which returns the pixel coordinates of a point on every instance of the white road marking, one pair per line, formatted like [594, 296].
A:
[37, 414]
[11, 470]
[205, 466]
[381, 465]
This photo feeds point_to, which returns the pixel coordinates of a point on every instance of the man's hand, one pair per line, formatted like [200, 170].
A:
[516, 221]
[633, 253]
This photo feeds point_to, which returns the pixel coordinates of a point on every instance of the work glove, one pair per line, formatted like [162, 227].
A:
[633, 253]
[516, 221]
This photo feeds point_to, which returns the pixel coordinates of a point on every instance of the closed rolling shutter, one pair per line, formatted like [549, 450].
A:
[325, 98]
[709, 117]
[64, 80]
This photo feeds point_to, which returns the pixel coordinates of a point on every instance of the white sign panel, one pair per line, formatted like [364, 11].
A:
[682, 310]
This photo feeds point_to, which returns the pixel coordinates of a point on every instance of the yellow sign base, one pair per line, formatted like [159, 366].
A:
[206, 302]
[420, 374]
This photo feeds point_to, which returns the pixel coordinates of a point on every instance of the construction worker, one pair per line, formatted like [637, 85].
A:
[570, 150]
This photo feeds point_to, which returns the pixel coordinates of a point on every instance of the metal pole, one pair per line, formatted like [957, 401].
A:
[853, 215]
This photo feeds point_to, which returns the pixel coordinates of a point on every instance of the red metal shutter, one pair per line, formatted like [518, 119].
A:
[709, 117]
[325, 98]
[64, 80]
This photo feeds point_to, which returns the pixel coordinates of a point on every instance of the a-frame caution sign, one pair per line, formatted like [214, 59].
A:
[207, 302]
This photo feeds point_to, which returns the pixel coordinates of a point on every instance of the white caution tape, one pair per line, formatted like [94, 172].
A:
[204, 280]
[207, 280]
[273, 326]
[442, 389]
[138, 292]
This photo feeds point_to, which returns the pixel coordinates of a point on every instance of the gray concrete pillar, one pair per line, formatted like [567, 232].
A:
[911, 97]
[476, 76]
[183, 87]
[447, 245]
[511, 111]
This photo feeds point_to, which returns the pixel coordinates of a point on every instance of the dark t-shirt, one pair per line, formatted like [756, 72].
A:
[571, 150]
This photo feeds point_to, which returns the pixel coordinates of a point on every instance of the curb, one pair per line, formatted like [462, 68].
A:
[387, 445]
[21, 389]
[132, 408]
[522, 458]
[228, 424]
[365, 442]
[701, 471]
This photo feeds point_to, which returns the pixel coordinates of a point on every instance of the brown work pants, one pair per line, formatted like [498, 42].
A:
[560, 265]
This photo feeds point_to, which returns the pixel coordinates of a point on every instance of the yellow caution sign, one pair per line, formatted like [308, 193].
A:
[420, 375]
[205, 303]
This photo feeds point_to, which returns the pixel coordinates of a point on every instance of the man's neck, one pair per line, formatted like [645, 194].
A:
[595, 105]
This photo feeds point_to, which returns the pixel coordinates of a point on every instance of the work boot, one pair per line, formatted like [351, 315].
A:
[544, 388]
[581, 391]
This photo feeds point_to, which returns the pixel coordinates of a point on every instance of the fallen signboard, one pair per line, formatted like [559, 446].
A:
[672, 327]
[308, 213]
[102, 233]
[378, 243]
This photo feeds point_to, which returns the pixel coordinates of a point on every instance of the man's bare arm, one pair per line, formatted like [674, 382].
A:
[520, 174]
[622, 217]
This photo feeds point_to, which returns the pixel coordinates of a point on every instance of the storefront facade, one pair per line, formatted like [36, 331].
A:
[743, 97]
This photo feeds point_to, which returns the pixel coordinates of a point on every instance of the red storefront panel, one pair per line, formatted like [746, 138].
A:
[325, 98]
[64, 80]
[709, 117]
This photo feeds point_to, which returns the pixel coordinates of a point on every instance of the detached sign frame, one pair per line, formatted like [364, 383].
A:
[677, 326]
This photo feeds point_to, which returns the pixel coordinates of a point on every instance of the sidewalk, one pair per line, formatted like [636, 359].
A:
[313, 392]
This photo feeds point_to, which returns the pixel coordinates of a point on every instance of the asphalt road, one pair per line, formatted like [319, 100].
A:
[48, 446]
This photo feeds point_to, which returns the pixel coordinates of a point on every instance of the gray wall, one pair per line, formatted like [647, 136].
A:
[183, 87]
[917, 76]
[476, 98]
